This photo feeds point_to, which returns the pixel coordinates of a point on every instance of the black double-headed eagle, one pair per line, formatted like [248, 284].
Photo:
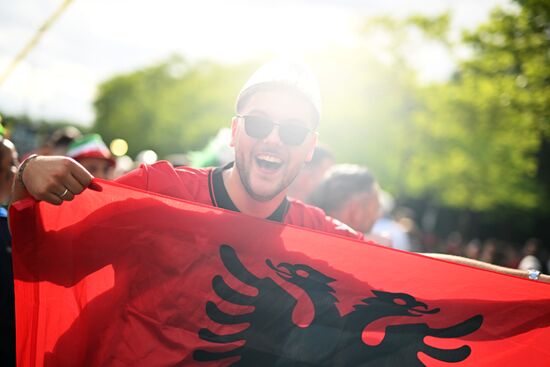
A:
[271, 338]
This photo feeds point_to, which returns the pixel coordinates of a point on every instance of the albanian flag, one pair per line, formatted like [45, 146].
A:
[123, 277]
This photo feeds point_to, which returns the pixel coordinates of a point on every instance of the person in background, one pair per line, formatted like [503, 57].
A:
[492, 252]
[92, 153]
[311, 174]
[531, 255]
[8, 169]
[56, 144]
[387, 227]
[59, 141]
[350, 194]
[453, 243]
[472, 249]
[9, 160]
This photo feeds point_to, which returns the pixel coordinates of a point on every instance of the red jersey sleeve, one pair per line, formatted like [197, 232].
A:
[136, 178]
[162, 178]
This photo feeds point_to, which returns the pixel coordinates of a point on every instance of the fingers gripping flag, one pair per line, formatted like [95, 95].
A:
[123, 277]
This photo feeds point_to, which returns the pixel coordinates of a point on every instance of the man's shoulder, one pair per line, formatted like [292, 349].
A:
[167, 167]
[302, 207]
[163, 178]
[309, 216]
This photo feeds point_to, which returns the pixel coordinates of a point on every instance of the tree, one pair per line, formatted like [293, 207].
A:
[171, 107]
[513, 49]
[473, 142]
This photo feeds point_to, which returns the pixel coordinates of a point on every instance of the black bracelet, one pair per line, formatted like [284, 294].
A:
[22, 167]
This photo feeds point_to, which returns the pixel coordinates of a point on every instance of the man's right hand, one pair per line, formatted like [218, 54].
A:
[51, 178]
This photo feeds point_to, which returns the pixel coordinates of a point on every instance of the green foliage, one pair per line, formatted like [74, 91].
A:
[506, 84]
[471, 142]
[475, 153]
[172, 107]
[366, 116]
[434, 27]
[515, 46]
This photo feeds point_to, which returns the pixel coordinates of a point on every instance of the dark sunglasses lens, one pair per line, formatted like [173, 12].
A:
[257, 127]
[293, 134]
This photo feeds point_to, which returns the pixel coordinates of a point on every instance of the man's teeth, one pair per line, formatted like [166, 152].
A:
[269, 162]
[269, 158]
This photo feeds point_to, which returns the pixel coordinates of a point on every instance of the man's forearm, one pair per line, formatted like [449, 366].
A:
[483, 265]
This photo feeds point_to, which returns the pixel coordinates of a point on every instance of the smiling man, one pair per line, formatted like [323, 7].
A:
[273, 135]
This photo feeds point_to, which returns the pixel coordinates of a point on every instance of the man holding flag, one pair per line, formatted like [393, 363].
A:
[273, 134]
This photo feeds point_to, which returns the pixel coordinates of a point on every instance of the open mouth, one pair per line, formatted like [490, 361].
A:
[268, 162]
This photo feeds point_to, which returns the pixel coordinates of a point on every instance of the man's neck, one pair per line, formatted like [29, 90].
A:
[243, 201]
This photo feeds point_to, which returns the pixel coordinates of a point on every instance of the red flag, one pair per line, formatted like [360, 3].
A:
[123, 277]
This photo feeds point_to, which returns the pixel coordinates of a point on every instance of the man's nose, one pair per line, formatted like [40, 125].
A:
[273, 137]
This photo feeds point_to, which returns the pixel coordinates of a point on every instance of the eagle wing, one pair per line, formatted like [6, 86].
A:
[269, 322]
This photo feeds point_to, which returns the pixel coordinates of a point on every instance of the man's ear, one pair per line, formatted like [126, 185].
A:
[313, 144]
[234, 127]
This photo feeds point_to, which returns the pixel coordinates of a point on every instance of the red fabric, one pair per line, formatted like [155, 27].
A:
[96, 154]
[192, 184]
[127, 278]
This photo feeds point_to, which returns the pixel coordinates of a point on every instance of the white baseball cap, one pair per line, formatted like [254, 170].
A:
[286, 73]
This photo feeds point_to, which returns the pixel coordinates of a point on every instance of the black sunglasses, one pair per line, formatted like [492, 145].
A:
[290, 133]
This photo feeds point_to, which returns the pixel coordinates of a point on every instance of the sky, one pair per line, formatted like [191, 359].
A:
[96, 39]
